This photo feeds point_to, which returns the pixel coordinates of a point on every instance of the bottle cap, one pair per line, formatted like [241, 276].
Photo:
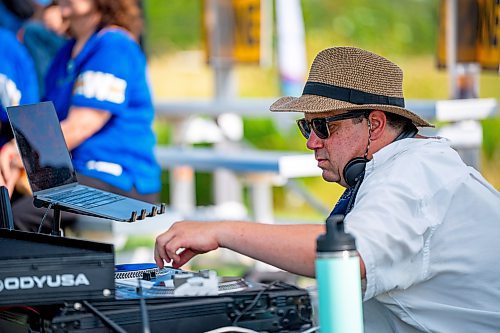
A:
[335, 238]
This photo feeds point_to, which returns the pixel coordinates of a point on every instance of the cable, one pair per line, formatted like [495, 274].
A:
[44, 216]
[285, 285]
[246, 330]
[231, 329]
[259, 295]
[105, 320]
[255, 300]
[251, 305]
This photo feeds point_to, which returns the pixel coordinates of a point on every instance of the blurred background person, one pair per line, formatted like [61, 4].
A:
[18, 85]
[43, 35]
[98, 84]
[39, 26]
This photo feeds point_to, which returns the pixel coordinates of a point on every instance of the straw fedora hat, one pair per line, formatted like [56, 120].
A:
[348, 78]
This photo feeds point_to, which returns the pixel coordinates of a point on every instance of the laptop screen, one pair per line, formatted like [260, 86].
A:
[41, 144]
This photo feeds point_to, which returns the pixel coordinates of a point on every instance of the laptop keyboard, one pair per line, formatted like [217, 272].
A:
[85, 197]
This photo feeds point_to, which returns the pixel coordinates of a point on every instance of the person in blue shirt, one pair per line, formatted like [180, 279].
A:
[99, 87]
[18, 83]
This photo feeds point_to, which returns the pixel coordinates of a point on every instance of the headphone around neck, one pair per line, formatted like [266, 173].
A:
[354, 171]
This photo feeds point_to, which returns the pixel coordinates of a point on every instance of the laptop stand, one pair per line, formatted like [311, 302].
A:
[56, 224]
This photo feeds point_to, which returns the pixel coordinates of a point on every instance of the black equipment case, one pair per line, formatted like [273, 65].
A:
[39, 269]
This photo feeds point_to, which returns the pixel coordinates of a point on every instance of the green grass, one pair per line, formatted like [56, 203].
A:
[172, 25]
[134, 242]
[222, 268]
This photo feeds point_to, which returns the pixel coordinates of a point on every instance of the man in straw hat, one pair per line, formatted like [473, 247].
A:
[426, 225]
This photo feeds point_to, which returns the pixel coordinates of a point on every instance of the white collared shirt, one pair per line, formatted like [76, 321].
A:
[428, 230]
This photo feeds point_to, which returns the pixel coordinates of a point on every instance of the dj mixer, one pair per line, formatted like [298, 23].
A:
[146, 296]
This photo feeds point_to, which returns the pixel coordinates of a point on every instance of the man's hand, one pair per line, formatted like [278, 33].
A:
[184, 240]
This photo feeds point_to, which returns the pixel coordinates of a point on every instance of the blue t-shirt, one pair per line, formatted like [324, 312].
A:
[109, 74]
[18, 82]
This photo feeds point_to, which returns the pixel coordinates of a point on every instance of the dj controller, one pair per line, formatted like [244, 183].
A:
[64, 285]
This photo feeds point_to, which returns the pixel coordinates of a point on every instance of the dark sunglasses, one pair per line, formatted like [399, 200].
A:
[320, 125]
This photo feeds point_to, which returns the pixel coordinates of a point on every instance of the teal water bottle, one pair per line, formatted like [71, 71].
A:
[338, 279]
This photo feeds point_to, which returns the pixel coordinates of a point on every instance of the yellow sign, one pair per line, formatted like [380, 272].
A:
[247, 30]
[488, 51]
[478, 32]
[232, 30]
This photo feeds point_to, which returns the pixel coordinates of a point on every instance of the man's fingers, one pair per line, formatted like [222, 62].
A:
[184, 257]
[160, 253]
[158, 259]
[172, 248]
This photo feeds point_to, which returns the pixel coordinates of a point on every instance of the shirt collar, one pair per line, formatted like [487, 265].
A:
[398, 147]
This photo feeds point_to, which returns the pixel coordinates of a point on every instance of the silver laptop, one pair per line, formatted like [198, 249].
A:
[51, 174]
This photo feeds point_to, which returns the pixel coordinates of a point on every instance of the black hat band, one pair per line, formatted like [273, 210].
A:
[353, 96]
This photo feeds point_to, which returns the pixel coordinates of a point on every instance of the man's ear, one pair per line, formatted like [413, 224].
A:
[378, 123]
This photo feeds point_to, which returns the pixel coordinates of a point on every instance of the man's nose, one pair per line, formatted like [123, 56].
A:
[313, 142]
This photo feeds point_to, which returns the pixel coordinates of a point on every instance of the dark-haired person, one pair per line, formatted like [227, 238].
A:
[99, 87]
[14, 12]
[426, 225]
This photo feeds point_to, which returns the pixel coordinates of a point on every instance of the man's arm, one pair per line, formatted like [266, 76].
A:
[289, 247]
